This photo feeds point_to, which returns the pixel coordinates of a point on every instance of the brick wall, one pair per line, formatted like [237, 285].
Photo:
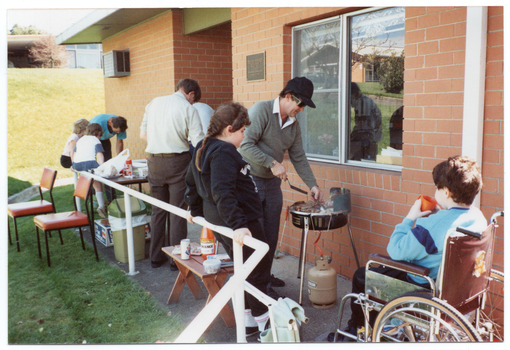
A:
[433, 100]
[160, 56]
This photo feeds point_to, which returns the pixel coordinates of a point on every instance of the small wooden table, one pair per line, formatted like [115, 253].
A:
[212, 282]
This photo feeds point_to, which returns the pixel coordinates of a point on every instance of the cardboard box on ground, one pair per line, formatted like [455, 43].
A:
[104, 234]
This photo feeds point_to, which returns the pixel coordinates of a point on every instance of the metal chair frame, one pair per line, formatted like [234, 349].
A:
[32, 208]
[83, 191]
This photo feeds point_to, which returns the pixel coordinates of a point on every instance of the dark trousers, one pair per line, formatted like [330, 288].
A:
[259, 277]
[270, 194]
[66, 161]
[107, 146]
[166, 179]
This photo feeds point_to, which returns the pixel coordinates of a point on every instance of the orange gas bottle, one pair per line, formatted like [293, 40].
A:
[207, 243]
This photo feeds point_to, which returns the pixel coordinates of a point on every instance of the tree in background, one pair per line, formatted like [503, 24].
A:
[30, 30]
[48, 54]
[391, 73]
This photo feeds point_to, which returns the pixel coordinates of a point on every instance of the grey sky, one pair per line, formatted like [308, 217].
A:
[53, 21]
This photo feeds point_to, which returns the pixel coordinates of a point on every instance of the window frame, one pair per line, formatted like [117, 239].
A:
[344, 82]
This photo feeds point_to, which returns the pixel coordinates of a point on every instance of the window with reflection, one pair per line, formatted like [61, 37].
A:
[376, 41]
[316, 56]
[358, 75]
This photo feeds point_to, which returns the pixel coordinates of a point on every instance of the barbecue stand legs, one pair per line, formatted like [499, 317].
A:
[302, 259]
[302, 254]
[352, 243]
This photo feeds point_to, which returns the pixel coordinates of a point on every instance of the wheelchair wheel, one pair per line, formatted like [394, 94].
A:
[489, 325]
[422, 318]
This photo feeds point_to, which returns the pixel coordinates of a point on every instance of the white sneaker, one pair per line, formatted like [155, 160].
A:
[250, 323]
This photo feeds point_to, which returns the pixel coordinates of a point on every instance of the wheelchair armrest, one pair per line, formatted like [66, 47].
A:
[399, 265]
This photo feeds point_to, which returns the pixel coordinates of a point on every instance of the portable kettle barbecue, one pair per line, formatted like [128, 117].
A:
[307, 216]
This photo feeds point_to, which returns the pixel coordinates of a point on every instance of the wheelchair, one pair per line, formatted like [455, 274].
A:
[450, 309]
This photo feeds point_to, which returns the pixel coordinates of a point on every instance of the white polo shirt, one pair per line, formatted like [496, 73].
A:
[169, 121]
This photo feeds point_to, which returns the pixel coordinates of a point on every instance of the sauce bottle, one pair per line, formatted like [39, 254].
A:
[207, 243]
[128, 170]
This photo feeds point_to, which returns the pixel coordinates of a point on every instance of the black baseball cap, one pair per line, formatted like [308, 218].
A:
[303, 88]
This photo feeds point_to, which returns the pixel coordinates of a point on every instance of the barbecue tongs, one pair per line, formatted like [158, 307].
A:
[296, 188]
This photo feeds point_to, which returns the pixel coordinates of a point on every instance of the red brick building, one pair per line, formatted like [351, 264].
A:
[452, 96]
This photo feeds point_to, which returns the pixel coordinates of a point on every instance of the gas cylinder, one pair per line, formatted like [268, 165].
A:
[207, 246]
[322, 284]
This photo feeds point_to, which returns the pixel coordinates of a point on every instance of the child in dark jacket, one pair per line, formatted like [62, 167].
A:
[220, 189]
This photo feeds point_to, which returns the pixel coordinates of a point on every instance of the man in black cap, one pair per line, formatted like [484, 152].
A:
[274, 129]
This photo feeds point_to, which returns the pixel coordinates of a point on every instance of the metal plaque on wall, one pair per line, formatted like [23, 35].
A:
[256, 67]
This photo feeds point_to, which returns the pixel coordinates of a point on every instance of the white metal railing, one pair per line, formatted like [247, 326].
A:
[233, 289]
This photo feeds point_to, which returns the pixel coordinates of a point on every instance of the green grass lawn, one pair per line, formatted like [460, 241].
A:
[77, 300]
[42, 106]
[16, 186]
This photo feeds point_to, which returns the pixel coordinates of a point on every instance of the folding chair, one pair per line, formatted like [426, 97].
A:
[41, 206]
[70, 219]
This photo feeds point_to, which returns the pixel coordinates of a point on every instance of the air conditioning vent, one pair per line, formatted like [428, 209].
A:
[116, 64]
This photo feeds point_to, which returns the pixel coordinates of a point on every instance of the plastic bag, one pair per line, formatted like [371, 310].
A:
[114, 166]
[118, 224]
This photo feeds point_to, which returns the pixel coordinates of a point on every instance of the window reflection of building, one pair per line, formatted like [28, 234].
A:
[372, 37]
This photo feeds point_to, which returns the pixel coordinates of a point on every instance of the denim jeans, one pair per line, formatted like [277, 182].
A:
[270, 193]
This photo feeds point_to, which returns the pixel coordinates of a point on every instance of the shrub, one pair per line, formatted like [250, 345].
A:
[391, 73]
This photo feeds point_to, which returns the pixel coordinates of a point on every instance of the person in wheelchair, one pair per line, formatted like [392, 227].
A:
[419, 238]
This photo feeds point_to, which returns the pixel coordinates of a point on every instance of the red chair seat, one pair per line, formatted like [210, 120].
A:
[59, 221]
[29, 208]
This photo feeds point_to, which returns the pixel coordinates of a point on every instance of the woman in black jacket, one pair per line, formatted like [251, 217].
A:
[220, 189]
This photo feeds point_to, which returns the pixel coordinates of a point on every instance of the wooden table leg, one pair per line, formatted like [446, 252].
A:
[213, 284]
[185, 277]
[176, 289]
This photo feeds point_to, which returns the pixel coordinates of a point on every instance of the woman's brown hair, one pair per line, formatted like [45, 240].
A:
[233, 114]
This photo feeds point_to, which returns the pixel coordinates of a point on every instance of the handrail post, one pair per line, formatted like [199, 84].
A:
[235, 286]
[129, 235]
[238, 296]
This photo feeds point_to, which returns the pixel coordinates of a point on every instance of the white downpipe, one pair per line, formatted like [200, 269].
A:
[474, 84]
[236, 284]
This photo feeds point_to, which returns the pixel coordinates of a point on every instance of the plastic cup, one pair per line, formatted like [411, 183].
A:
[427, 203]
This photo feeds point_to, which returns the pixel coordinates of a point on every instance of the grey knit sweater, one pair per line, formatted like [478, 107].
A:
[265, 140]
